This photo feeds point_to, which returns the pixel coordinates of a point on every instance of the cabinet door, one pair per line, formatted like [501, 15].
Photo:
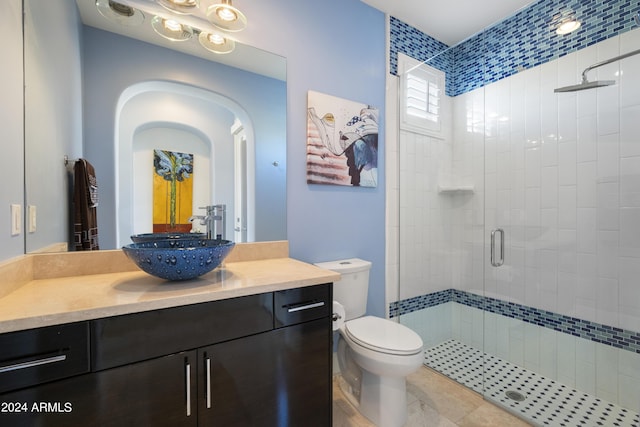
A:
[150, 393]
[277, 378]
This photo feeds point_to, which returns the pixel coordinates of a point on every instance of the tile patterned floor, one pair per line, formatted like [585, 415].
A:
[433, 400]
[547, 402]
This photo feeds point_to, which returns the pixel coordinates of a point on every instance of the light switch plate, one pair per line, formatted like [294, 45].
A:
[16, 220]
[31, 215]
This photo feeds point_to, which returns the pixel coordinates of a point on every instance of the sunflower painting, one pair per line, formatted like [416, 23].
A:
[342, 142]
[172, 191]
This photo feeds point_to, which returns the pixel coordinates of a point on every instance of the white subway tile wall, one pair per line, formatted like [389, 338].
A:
[560, 173]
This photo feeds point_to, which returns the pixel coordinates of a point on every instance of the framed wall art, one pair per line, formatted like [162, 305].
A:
[342, 142]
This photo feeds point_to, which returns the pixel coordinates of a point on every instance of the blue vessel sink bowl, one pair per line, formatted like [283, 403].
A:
[154, 237]
[176, 259]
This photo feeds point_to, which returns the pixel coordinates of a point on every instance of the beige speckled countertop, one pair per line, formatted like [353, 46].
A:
[56, 298]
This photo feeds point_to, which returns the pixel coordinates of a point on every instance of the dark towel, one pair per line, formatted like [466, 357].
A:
[85, 201]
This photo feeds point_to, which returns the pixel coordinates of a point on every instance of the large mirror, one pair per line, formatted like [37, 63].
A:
[107, 90]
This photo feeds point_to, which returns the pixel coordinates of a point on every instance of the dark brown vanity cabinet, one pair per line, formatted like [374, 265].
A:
[225, 363]
[149, 393]
[280, 378]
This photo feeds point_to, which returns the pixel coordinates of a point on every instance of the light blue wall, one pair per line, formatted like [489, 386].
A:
[53, 117]
[335, 47]
[11, 123]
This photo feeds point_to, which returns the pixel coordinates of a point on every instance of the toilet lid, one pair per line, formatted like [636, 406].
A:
[383, 335]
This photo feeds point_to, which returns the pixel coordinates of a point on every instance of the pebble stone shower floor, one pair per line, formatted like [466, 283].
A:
[546, 403]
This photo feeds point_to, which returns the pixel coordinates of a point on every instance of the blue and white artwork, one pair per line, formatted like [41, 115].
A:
[342, 142]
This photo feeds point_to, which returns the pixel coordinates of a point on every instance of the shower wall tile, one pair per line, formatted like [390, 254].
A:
[607, 301]
[587, 135]
[567, 207]
[567, 283]
[567, 250]
[607, 373]
[609, 156]
[515, 331]
[626, 340]
[567, 119]
[561, 174]
[501, 51]
[629, 146]
[490, 343]
[503, 338]
[586, 366]
[629, 69]
[595, 191]
[549, 187]
[548, 353]
[566, 359]
[408, 40]
[434, 325]
[532, 347]
[568, 73]
[608, 115]
[630, 180]
[608, 244]
[587, 173]
[629, 366]
[586, 230]
[567, 168]
[629, 392]
[630, 232]
[629, 292]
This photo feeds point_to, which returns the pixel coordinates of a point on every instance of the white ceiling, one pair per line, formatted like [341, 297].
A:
[450, 21]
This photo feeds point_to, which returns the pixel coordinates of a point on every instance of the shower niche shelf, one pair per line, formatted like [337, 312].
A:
[456, 189]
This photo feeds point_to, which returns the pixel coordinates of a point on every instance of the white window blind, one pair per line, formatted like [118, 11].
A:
[421, 95]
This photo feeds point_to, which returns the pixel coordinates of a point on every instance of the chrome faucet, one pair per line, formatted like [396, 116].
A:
[214, 220]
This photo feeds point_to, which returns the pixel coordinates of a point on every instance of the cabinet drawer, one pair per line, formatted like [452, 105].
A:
[40, 355]
[121, 340]
[302, 304]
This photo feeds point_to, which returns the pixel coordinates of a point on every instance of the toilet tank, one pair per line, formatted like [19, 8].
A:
[352, 288]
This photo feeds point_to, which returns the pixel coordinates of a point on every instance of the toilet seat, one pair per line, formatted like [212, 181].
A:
[384, 336]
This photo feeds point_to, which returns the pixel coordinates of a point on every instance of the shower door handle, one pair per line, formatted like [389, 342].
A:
[497, 262]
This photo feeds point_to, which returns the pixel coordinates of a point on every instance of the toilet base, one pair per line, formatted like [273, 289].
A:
[383, 400]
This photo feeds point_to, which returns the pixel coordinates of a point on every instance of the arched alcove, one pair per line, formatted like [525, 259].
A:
[201, 122]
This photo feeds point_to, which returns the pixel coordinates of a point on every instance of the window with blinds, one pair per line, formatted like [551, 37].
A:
[421, 95]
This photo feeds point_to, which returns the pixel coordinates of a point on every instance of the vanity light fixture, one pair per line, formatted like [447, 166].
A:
[216, 43]
[171, 29]
[568, 26]
[183, 7]
[226, 17]
[120, 13]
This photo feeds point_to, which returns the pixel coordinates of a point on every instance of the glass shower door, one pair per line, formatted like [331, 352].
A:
[562, 179]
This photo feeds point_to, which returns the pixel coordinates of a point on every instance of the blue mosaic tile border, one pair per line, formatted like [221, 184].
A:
[603, 334]
[524, 40]
[399, 308]
[418, 45]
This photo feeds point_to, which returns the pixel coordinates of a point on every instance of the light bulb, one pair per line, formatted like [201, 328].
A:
[226, 17]
[568, 27]
[216, 39]
[172, 25]
[226, 14]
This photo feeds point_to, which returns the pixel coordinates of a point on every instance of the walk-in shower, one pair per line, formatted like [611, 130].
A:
[543, 319]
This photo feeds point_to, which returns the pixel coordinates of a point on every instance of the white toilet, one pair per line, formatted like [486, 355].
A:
[374, 354]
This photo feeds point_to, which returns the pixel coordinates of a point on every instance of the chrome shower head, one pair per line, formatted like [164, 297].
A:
[584, 86]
